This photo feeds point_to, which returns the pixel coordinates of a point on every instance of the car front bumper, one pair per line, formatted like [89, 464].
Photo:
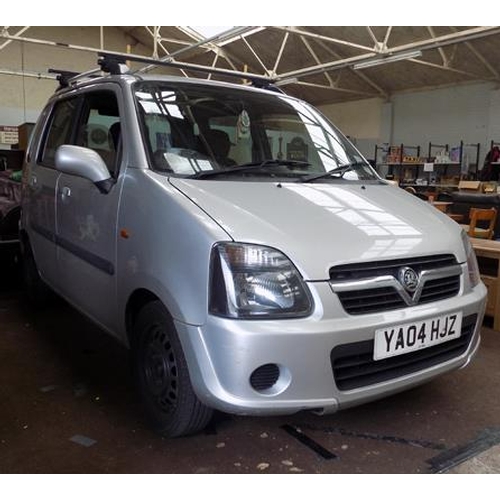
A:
[223, 353]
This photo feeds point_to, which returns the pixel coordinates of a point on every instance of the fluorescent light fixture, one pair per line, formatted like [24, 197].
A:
[384, 60]
[286, 81]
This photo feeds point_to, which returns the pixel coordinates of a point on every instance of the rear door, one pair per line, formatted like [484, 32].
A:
[86, 217]
[41, 185]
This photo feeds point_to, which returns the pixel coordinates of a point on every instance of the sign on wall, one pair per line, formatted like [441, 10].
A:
[8, 135]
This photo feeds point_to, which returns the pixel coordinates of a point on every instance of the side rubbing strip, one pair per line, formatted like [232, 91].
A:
[94, 260]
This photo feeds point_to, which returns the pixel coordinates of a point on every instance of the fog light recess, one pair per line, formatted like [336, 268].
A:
[264, 377]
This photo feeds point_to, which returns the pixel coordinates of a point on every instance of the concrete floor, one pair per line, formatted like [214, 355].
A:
[68, 406]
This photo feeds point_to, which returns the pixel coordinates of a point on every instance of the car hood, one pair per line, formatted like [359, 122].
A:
[325, 224]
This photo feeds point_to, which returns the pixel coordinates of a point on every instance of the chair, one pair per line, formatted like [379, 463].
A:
[481, 215]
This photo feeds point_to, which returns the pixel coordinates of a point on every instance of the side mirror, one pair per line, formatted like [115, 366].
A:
[86, 163]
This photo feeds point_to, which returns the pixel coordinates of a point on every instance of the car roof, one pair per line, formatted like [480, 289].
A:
[128, 79]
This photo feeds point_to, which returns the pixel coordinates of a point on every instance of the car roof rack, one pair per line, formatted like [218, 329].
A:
[68, 78]
[63, 76]
[113, 62]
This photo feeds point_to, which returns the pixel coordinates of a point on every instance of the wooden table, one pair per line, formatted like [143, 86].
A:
[456, 217]
[490, 275]
[441, 205]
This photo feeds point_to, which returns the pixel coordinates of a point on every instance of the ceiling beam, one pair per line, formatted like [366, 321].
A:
[19, 33]
[245, 41]
[373, 37]
[292, 29]
[219, 37]
[481, 58]
[160, 44]
[450, 39]
[452, 70]
[387, 35]
[214, 64]
[336, 89]
[137, 58]
[214, 38]
[28, 74]
[316, 58]
[280, 53]
[441, 51]
[210, 46]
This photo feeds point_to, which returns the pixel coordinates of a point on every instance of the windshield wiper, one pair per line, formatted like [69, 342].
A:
[245, 167]
[338, 171]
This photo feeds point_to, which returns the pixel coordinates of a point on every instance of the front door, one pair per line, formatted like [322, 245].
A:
[87, 218]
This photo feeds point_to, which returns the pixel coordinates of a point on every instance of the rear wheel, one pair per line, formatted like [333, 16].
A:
[162, 375]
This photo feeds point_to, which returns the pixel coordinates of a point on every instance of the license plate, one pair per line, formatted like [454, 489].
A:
[409, 337]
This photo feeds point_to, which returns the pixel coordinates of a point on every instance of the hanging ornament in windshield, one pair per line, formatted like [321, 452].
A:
[243, 125]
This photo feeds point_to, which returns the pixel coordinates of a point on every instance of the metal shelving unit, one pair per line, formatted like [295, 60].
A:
[441, 168]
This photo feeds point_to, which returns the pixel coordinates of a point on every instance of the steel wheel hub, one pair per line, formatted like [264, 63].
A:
[160, 369]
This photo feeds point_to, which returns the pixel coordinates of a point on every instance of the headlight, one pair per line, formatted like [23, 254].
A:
[252, 281]
[472, 266]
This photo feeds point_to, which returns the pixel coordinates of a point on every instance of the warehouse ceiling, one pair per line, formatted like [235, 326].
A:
[321, 64]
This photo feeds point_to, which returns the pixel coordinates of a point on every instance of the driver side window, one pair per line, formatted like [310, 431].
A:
[100, 128]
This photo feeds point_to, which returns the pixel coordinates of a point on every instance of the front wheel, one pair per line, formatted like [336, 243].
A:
[162, 376]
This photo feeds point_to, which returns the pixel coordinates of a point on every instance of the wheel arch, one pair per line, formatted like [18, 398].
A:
[137, 300]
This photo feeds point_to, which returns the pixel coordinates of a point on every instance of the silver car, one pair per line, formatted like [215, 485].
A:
[242, 248]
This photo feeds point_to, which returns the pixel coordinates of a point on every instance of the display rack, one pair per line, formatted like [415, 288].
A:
[398, 167]
[398, 156]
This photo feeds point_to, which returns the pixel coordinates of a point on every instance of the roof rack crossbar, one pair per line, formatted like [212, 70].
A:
[63, 76]
[110, 58]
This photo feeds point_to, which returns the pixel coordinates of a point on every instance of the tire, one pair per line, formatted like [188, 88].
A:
[162, 377]
[37, 292]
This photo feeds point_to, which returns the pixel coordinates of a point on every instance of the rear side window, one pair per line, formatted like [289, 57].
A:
[59, 133]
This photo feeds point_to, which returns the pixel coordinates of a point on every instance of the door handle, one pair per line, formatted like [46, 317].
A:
[65, 192]
[33, 181]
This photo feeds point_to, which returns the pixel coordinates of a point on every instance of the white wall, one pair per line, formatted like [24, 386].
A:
[21, 99]
[356, 118]
[360, 120]
[445, 116]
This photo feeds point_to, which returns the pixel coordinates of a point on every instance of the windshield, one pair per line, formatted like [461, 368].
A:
[204, 131]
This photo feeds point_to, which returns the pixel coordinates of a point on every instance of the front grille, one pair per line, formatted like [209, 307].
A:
[353, 364]
[352, 272]
[387, 298]
[440, 289]
[374, 300]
